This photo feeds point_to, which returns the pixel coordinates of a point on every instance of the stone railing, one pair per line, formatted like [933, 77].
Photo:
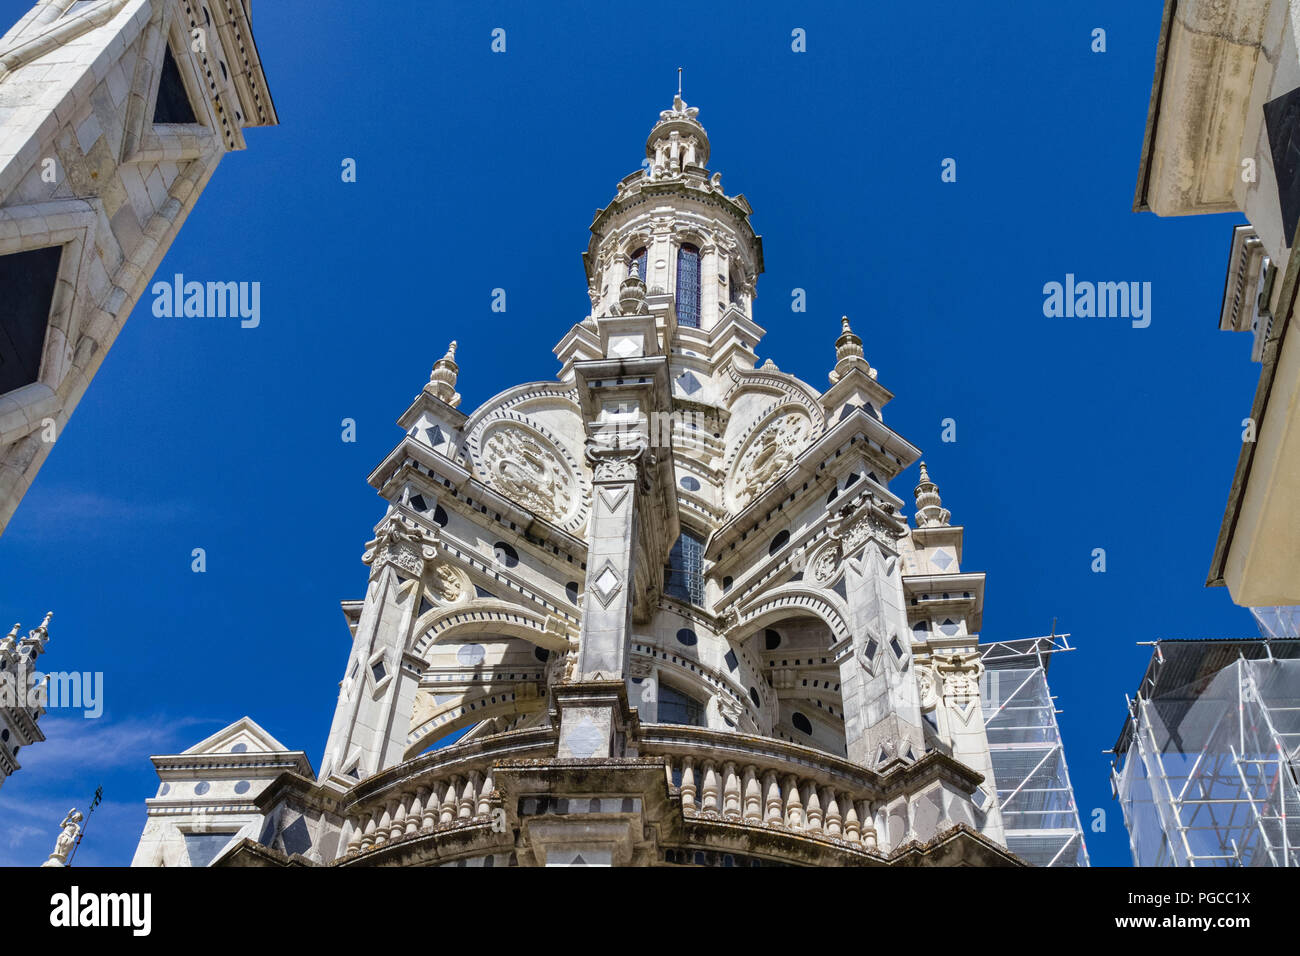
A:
[766, 782]
[448, 788]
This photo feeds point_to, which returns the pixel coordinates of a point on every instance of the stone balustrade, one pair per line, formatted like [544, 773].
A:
[447, 788]
[766, 783]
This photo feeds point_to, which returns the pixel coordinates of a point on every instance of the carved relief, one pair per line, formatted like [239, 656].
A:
[961, 675]
[524, 468]
[825, 565]
[452, 584]
[405, 547]
[770, 451]
[928, 684]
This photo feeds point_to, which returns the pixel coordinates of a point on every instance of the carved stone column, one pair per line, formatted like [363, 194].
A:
[608, 598]
[882, 711]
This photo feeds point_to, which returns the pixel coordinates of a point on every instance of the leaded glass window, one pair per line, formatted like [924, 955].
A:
[678, 708]
[688, 287]
[684, 576]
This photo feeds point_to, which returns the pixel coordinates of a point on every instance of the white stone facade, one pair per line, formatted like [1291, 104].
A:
[206, 797]
[1221, 136]
[668, 598]
[91, 166]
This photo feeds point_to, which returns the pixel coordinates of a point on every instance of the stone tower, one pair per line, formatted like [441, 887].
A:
[667, 601]
[22, 693]
[113, 116]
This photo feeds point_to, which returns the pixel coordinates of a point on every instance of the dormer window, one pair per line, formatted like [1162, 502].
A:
[688, 286]
[678, 708]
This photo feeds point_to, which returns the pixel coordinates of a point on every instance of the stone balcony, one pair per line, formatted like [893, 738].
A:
[678, 795]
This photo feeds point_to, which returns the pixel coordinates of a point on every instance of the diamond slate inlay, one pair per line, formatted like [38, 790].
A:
[688, 383]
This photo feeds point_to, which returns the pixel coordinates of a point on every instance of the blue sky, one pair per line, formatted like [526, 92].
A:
[479, 170]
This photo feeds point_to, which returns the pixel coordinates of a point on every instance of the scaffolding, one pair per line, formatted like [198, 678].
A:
[1206, 766]
[1039, 813]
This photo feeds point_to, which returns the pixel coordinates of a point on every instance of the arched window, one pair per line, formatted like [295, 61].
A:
[684, 576]
[640, 258]
[688, 286]
[678, 708]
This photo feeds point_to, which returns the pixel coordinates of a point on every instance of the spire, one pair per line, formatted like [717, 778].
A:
[678, 140]
[442, 381]
[848, 353]
[42, 630]
[930, 512]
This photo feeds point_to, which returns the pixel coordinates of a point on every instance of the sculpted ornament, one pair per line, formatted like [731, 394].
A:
[928, 685]
[401, 545]
[825, 565]
[618, 463]
[67, 839]
[450, 582]
[522, 467]
[769, 453]
[961, 675]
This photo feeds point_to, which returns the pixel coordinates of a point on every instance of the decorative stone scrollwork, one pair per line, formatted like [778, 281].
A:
[452, 584]
[961, 675]
[824, 567]
[405, 547]
[770, 451]
[618, 463]
[862, 519]
[522, 466]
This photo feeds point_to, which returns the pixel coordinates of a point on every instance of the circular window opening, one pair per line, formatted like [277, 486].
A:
[571, 592]
[801, 723]
[688, 637]
[505, 554]
[772, 639]
[779, 542]
[753, 695]
[690, 484]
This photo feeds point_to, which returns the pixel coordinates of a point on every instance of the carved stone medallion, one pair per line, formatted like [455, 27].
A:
[523, 467]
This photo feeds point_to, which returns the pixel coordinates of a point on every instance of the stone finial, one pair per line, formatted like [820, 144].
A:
[930, 512]
[42, 631]
[848, 353]
[442, 381]
[631, 294]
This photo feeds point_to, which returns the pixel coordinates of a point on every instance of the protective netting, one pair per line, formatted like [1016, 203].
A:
[1038, 808]
[1207, 771]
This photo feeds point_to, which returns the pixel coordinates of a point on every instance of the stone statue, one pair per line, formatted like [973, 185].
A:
[67, 839]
